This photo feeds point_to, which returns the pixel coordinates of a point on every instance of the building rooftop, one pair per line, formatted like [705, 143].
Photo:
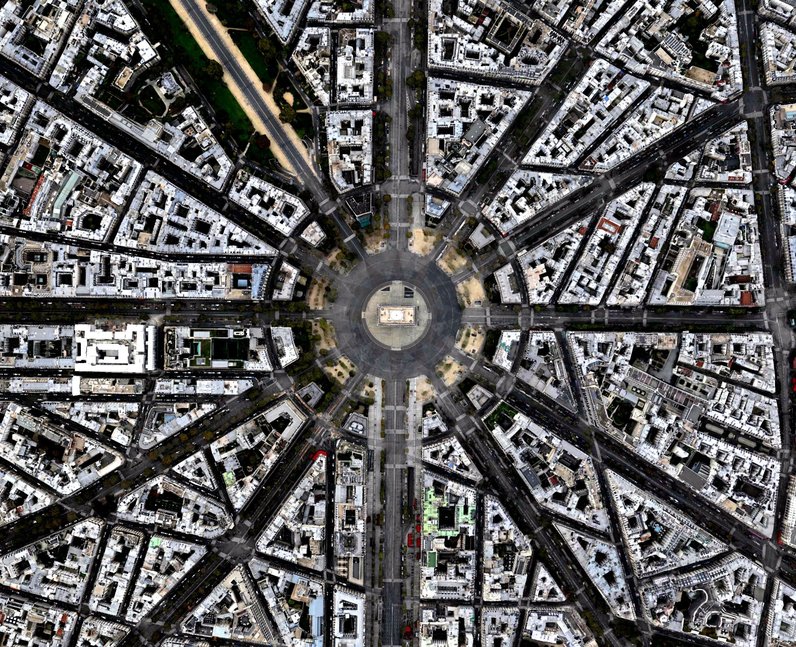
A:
[57, 566]
[231, 610]
[449, 521]
[110, 349]
[33, 32]
[560, 476]
[491, 39]
[649, 46]
[176, 507]
[281, 210]
[350, 148]
[603, 564]
[452, 626]
[283, 17]
[295, 602]
[599, 99]
[167, 561]
[730, 600]
[313, 59]
[187, 348]
[246, 455]
[507, 554]
[542, 367]
[526, 193]
[464, 123]
[354, 77]
[348, 617]
[661, 411]
[118, 566]
[63, 460]
[449, 455]
[164, 218]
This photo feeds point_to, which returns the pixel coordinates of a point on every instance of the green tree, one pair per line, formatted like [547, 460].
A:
[214, 70]
[267, 49]
[416, 80]
[287, 114]
[383, 40]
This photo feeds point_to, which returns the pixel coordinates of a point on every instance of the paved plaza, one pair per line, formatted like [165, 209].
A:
[397, 315]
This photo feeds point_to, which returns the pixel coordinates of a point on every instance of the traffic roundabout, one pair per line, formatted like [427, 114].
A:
[396, 315]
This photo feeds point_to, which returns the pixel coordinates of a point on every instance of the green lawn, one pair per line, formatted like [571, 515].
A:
[168, 22]
[227, 106]
[262, 156]
[247, 44]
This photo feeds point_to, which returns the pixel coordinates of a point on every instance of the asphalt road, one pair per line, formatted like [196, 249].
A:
[394, 492]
